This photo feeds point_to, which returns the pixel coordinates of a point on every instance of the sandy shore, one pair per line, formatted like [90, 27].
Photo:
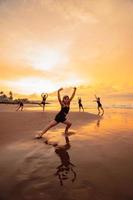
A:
[15, 126]
[93, 162]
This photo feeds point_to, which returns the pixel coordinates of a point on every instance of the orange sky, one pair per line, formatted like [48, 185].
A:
[46, 44]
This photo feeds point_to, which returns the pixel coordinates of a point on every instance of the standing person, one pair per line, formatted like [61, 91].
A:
[80, 104]
[61, 116]
[20, 106]
[99, 105]
[44, 97]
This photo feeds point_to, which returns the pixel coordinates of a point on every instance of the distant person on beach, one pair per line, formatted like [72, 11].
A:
[61, 116]
[20, 106]
[44, 97]
[80, 104]
[99, 105]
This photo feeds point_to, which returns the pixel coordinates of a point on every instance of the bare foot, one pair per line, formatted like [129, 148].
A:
[38, 136]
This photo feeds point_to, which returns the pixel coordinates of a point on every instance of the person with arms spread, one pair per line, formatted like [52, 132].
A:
[99, 105]
[61, 116]
[44, 97]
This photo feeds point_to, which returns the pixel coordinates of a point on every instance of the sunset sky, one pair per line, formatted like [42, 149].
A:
[47, 44]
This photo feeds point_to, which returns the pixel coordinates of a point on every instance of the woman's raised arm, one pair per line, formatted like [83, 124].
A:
[58, 94]
[46, 95]
[73, 94]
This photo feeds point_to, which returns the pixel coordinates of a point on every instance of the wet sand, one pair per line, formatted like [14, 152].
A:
[93, 162]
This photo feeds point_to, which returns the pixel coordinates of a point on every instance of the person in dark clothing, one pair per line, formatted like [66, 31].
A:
[20, 106]
[44, 97]
[61, 116]
[80, 104]
[99, 105]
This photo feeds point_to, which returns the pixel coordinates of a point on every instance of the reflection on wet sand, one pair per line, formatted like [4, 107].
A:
[66, 168]
[98, 123]
[100, 149]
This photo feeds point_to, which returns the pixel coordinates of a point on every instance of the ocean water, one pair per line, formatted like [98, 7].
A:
[75, 108]
[54, 105]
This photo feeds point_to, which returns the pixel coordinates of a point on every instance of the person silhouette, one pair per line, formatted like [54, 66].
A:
[20, 106]
[66, 168]
[99, 105]
[80, 104]
[44, 97]
[61, 116]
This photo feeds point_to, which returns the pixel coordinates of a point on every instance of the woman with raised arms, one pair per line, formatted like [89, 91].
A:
[61, 116]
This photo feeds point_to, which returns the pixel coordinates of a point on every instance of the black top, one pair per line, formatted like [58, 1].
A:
[61, 116]
[44, 98]
[65, 110]
[21, 104]
[79, 101]
[99, 103]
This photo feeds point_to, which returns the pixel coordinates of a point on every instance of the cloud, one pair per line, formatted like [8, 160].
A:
[93, 37]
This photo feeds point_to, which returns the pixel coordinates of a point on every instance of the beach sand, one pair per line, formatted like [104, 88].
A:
[96, 156]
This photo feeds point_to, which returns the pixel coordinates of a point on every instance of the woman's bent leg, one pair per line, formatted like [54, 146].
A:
[68, 125]
[50, 125]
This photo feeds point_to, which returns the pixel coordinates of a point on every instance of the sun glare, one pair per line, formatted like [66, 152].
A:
[33, 85]
[38, 85]
[46, 59]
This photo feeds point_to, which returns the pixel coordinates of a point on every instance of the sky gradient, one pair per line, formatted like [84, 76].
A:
[47, 44]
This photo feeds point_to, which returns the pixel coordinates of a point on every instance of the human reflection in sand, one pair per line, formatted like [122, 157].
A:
[65, 170]
[100, 118]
